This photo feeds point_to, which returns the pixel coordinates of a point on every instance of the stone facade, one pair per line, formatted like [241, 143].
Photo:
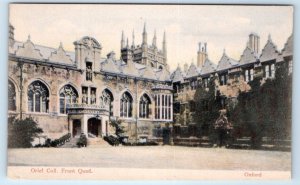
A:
[79, 92]
[232, 75]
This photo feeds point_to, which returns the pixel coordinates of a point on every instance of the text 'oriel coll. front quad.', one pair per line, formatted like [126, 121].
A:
[149, 91]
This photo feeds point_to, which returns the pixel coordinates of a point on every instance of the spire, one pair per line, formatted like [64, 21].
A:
[60, 45]
[205, 48]
[122, 40]
[144, 28]
[164, 49]
[144, 35]
[224, 51]
[154, 39]
[269, 38]
[133, 45]
[28, 39]
[127, 44]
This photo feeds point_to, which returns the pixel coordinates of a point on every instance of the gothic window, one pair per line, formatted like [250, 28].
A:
[126, 105]
[67, 96]
[107, 99]
[144, 106]
[38, 97]
[11, 96]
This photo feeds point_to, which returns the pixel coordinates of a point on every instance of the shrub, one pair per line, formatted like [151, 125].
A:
[21, 133]
[82, 142]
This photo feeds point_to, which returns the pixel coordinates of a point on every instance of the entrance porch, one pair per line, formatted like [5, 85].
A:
[91, 120]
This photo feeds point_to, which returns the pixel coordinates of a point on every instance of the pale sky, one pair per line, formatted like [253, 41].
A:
[185, 25]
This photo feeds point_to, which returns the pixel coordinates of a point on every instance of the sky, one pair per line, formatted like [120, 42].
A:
[222, 27]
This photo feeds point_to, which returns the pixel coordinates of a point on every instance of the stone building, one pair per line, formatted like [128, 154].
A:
[232, 75]
[80, 91]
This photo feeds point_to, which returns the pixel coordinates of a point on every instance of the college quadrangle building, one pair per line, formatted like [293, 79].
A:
[80, 91]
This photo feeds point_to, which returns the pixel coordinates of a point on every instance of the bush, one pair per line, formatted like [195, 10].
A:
[82, 142]
[21, 133]
[114, 141]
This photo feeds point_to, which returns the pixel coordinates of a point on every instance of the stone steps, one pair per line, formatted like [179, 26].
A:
[71, 144]
[96, 142]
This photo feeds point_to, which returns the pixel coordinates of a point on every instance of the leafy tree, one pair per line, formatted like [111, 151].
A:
[117, 124]
[266, 109]
[207, 107]
[21, 133]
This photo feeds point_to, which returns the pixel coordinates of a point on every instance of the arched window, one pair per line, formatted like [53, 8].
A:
[38, 97]
[144, 106]
[126, 105]
[11, 96]
[67, 95]
[107, 99]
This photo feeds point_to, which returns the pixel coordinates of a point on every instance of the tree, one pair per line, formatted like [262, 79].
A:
[117, 124]
[207, 107]
[266, 109]
[22, 132]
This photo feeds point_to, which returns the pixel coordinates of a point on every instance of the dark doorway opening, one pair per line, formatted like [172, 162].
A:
[94, 127]
[76, 127]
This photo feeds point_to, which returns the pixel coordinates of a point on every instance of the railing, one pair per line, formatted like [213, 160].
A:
[87, 106]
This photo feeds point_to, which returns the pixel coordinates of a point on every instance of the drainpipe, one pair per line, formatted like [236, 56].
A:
[136, 111]
[20, 65]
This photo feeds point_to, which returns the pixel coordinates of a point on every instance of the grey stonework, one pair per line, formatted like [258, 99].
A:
[141, 71]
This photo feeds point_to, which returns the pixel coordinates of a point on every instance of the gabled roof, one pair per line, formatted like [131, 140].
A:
[288, 47]
[269, 52]
[30, 50]
[193, 71]
[177, 75]
[226, 62]
[147, 72]
[163, 75]
[249, 56]
[109, 65]
[208, 67]
[60, 56]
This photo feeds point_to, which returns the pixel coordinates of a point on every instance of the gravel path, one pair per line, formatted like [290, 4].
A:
[169, 157]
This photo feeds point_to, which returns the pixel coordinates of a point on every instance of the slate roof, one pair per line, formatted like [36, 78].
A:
[226, 63]
[269, 52]
[249, 56]
[178, 75]
[192, 71]
[30, 50]
[288, 47]
[208, 67]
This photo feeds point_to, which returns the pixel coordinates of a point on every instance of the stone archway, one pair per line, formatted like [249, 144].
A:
[94, 127]
[76, 128]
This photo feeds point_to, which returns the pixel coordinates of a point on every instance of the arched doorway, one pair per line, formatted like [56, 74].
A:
[94, 127]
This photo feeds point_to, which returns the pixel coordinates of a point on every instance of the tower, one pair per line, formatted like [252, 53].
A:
[253, 42]
[202, 54]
